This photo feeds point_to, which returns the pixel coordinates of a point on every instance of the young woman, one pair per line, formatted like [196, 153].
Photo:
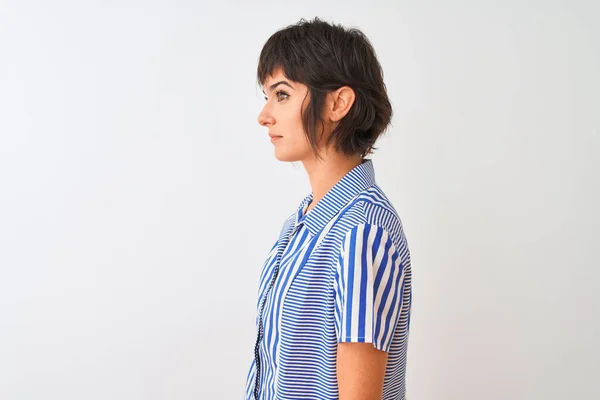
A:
[335, 291]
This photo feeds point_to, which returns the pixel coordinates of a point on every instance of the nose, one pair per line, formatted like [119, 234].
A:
[265, 118]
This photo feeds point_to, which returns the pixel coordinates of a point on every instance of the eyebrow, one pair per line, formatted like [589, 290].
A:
[273, 86]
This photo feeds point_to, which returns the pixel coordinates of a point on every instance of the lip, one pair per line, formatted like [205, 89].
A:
[274, 138]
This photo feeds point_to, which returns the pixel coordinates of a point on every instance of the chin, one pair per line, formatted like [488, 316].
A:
[287, 157]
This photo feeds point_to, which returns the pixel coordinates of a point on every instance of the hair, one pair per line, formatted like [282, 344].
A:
[325, 57]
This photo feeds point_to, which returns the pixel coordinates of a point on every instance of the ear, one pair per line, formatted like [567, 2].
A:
[340, 102]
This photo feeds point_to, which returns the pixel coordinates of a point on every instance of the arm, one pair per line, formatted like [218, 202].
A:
[360, 371]
[368, 300]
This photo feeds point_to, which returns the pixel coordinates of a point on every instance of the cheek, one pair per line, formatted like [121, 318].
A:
[290, 125]
[295, 145]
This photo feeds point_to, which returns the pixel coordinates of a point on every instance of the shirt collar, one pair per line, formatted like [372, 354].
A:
[354, 182]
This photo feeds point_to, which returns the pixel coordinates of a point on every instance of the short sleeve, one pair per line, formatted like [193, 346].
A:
[368, 287]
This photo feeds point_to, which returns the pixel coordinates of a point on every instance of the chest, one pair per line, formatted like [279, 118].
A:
[298, 275]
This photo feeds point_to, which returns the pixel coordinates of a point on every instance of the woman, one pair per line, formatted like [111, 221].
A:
[335, 291]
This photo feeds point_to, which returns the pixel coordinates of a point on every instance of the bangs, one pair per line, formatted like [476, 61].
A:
[281, 51]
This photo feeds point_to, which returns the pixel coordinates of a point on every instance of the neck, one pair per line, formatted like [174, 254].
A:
[325, 173]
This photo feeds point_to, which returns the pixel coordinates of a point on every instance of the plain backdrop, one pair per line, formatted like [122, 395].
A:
[139, 197]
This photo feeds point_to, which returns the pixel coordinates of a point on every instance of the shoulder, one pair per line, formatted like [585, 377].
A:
[372, 211]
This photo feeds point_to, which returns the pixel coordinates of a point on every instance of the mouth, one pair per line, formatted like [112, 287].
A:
[275, 137]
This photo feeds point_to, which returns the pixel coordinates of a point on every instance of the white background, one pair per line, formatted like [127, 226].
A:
[138, 195]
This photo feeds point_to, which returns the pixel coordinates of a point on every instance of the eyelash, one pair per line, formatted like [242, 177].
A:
[278, 93]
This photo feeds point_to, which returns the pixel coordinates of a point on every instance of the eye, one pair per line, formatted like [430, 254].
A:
[281, 95]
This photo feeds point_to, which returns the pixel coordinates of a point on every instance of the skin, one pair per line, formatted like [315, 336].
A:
[360, 366]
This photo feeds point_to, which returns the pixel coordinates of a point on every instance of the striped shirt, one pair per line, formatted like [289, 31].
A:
[339, 273]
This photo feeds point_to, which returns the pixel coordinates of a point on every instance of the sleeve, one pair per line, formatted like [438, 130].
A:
[368, 287]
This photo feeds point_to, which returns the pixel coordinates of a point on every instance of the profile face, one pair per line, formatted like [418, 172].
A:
[282, 115]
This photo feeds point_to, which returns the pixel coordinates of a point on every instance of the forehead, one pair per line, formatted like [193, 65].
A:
[276, 76]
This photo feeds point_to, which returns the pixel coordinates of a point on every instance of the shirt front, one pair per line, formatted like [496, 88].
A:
[339, 273]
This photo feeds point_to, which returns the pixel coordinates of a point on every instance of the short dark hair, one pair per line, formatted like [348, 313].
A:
[325, 57]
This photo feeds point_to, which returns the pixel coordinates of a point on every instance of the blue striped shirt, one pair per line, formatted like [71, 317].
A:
[339, 273]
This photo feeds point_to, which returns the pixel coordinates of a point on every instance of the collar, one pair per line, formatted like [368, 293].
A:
[354, 182]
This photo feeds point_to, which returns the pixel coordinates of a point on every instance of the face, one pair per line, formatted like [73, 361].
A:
[285, 100]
